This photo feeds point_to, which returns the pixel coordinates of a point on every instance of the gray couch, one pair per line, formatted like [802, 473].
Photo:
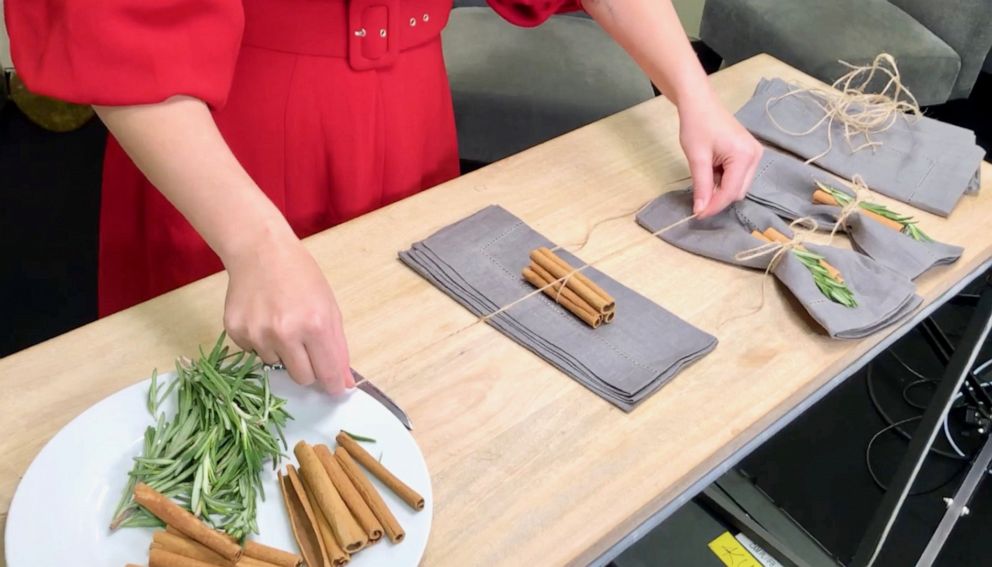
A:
[940, 45]
[513, 87]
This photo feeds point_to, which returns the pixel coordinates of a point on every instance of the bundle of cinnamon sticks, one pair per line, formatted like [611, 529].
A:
[334, 509]
[189, 542]
[569, 288]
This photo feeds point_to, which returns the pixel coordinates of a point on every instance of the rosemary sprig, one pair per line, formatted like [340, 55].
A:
[909, 224]
[208, 457]
[836, 291]
[357, 437]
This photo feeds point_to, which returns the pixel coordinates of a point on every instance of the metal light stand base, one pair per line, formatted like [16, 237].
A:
[960, 362]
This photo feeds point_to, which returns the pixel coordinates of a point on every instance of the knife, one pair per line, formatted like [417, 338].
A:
[369, 388]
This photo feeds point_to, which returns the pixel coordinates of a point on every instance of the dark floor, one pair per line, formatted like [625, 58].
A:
[815, 468]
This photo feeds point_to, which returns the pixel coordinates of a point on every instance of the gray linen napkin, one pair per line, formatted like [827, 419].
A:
[883, 295]
[785, 184]
[926, 163]
[478, 260]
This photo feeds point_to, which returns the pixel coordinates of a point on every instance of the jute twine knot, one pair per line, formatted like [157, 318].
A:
[861, 195]
[861, 113]
[800, 228]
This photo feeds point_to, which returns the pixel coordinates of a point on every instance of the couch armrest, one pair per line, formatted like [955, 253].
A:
[965, 25]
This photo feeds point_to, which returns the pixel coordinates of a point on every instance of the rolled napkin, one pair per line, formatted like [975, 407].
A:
[883, 295]
[920, 161]
[478, 262]
[786, 185]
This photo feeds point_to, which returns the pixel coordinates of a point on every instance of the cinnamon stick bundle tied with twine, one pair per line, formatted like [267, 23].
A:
[569, 287]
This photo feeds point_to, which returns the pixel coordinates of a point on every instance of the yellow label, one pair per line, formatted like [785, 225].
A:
[731, 552]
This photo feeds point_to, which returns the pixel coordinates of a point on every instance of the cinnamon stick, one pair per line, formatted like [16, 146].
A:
[821, 197]
[589, 318]
[359, 509]
[246, 561]
[302, 520]
[357, 452]
[172, 514]
[158, 557]
[561, 290]
[269, 554]
[394, 531]
[582, 278]
[346, 529]
[335, 554]
[545, 259]
[777, 236]
[760, 236]
[184, 546]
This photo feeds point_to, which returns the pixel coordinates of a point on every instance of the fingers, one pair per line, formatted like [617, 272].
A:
[701, 168]
[294, 356]
[328, 353]
[755, 161]
[729, 189]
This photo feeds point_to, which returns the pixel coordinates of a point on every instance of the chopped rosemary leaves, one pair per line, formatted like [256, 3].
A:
[909, 224]
[208, 457]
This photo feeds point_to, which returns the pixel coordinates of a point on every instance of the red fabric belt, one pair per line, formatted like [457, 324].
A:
[370, 34]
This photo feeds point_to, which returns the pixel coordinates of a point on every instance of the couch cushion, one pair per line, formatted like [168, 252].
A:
[812, 35]
[514, 88]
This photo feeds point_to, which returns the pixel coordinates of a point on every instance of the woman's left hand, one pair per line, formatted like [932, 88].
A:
[722, 155]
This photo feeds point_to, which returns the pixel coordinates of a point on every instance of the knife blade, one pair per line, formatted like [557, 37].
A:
[369, 388]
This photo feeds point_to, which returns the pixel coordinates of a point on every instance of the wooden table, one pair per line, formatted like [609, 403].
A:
[527, 465]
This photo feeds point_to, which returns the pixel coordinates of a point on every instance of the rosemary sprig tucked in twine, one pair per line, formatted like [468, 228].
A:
[861, 113]
[830, 283]
[909, 224]
[209, 456]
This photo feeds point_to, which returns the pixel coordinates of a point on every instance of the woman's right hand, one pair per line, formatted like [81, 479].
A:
[280, 305]
[278, 302]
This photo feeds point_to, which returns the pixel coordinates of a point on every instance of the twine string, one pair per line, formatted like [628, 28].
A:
[860, 113]
[861, 195]
[801, 228]
[618, 250]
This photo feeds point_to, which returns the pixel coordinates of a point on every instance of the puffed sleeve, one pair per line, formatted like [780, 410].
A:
[121, 52]
[530, 13]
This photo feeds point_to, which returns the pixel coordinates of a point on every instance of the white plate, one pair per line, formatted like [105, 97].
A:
[62, 508]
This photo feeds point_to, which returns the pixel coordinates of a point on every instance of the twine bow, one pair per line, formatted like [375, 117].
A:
[861, 195]
[861, 113]
[800, 228]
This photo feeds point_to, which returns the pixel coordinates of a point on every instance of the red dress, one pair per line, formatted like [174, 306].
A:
[334, 107]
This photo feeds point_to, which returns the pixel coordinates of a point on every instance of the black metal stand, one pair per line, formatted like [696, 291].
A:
[959, 372]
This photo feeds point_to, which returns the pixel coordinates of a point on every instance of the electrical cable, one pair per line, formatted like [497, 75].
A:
[894, 427]
[891, 425]
[897, 426]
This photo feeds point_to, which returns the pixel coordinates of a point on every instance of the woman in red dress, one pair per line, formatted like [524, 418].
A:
[260, 122]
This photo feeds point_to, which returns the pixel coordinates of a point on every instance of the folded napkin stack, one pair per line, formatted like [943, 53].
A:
[883, 295]
[478, 262]
[920, 161]
[786, 185]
